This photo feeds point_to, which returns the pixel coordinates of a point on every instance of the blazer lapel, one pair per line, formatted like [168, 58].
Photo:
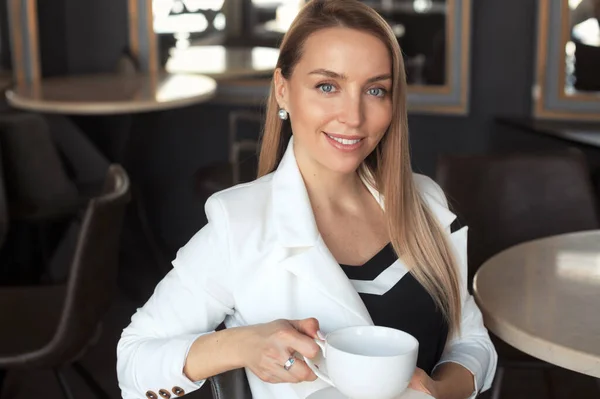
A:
[307, 255]
[316, 265]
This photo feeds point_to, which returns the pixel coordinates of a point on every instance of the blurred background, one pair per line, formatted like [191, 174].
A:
[120, 117]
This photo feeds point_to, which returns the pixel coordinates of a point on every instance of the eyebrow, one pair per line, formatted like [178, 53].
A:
[335, 75]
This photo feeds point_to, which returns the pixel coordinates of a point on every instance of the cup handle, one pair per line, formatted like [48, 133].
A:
[314, 367]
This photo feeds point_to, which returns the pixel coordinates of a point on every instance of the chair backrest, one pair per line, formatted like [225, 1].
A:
[231, 385]
[92, 282]
[509, 199]
[35, 176]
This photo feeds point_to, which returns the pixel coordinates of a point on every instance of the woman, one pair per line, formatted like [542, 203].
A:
[277, 261]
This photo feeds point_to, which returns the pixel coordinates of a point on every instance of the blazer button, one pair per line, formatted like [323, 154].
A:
[165, 394]
[178, 391]
[151, 395]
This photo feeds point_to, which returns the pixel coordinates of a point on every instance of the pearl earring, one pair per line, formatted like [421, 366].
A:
[283, 115]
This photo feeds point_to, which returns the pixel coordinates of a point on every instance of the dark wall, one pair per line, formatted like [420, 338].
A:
[52, 28]
[75, 36]
[97, 34]
[502, 66]
[170, 146]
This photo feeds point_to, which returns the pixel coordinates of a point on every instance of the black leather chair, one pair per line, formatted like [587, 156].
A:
[513, 198]
[509, 199]
[231, 385]
[50, 327]
[51, 172]
[38, 186]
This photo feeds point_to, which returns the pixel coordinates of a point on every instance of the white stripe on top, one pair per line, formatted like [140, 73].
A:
[384, 282]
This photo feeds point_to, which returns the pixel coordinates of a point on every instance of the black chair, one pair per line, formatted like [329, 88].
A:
[51, 172]
[37, 184]
[50, 327]
[231, 385]
[509, 199]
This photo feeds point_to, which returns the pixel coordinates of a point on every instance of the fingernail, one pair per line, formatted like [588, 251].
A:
[320, 335]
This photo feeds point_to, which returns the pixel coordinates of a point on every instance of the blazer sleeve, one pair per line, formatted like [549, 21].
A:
[192, 300]
[472, 348]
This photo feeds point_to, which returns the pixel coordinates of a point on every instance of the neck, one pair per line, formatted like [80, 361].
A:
[328, 189]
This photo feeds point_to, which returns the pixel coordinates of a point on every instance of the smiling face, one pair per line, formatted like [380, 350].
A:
[339, 99]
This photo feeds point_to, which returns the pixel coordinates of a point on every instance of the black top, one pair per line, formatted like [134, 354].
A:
[407, 306]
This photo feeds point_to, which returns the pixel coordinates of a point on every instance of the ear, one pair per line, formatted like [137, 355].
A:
[281, 89]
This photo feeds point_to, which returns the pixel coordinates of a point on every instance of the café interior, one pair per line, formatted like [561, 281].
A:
[119, 118]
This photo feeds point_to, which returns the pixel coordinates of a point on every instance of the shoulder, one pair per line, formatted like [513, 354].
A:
[429, 189]
[237, 220]
[241, 209]
[247, 197]
[434, 198]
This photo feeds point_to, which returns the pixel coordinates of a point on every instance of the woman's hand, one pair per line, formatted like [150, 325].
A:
[265, 348]
[420, 381]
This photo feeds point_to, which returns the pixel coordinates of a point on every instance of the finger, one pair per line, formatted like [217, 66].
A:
[301, 371]
[414, 380]
[301, 343]
[279, 374]
[271, 378]
[308, 326]
[417, 383]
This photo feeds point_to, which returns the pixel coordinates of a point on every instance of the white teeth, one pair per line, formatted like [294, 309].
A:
[344, 141]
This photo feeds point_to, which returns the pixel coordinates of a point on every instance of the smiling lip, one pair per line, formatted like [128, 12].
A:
[341, 136]
[331, 138]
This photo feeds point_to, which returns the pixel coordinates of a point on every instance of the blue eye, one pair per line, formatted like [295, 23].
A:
[377, 92]
[326, 88]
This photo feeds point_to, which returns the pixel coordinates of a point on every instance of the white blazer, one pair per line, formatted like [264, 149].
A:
[261, 258]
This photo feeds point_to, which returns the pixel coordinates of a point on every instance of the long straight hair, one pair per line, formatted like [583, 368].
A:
[416, 235]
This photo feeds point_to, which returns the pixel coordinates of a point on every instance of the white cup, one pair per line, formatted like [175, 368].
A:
[367, 362]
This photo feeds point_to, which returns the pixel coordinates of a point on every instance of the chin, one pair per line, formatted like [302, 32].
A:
[344, 161]
[342, 166]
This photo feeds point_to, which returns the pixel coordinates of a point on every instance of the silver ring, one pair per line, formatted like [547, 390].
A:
[290, 362]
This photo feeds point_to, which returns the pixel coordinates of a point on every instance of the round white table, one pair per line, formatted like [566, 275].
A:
[243, 73]
[222, 62]
[543, 298]
[111, 94]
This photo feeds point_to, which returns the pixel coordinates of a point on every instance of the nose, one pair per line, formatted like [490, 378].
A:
[352, 113]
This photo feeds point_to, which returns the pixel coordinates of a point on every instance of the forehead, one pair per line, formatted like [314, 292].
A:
[344, 50]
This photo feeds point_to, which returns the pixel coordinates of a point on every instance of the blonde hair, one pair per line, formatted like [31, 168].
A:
[415, 233]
